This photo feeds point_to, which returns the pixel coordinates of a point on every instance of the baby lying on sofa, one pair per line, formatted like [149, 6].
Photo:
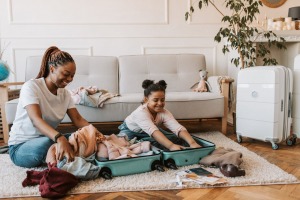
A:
[144, 122]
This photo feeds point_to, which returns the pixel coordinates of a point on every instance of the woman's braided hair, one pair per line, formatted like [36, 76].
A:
[149, 86]
[53, 57]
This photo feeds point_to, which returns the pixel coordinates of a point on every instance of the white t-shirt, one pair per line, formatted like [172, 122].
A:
[141, 120]
[53, 109]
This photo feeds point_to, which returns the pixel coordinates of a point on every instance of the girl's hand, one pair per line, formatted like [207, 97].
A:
[64, 149]
[195, 145]
[175, 147]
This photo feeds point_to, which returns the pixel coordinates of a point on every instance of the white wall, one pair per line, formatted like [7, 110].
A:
[112, 27]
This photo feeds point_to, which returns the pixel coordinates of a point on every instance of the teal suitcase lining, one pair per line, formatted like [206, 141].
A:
[188, 156]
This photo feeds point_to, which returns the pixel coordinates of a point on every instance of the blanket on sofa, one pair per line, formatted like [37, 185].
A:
[91, 96]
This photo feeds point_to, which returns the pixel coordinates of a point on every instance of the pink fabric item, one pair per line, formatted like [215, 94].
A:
[102, 151]
[120, 141]
[119, 147]
[111, 147]
[112, 150]
[141, 147]
[77, 93]
[84, 143]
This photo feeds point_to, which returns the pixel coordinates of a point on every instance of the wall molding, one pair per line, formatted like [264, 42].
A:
[191, 22]
[212, 47]
[100, 37]
[13, 22]
[14, 49]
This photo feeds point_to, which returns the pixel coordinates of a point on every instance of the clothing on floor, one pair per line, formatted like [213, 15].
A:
[53, 182]
[222, 156]
[91, 96]
[81, 168]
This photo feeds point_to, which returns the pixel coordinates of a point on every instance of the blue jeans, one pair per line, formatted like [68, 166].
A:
[31, 153]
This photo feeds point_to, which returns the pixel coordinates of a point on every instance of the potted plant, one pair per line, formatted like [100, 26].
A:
[240, 35]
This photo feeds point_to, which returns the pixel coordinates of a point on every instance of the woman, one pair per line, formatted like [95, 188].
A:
[146, 119]
[43, 103]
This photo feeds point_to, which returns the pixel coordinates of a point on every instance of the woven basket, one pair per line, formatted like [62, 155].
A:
[297, 25]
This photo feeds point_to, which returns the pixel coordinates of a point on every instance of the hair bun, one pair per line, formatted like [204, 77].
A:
[162, 83]
[146, 83]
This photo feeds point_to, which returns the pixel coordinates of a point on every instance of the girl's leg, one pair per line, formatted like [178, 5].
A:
[31, 153]
[125, 131]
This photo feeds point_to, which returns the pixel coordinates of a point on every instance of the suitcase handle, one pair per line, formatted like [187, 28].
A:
[290, 105]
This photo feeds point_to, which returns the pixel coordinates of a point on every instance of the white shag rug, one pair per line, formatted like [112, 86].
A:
[258, 172]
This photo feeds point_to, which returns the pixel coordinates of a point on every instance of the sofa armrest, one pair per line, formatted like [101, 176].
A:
[215, 83]
[6, 94]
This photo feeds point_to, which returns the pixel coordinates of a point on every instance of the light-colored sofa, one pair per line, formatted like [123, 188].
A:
[124, 75]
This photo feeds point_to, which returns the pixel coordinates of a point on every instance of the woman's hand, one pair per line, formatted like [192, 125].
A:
[64, 149]
[175, 147]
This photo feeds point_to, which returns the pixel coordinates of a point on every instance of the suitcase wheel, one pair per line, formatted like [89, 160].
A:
[156, 165]
[291, 140]
[239, 139]
[105, 172]
[170, 163]
[275, 146]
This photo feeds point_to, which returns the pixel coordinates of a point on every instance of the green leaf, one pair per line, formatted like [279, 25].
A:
[200, 5]
[217, 38]
[192, 9]
[187, 16]
[237, 30]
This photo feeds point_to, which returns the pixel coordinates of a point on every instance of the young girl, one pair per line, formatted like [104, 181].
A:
[43, 103]
[144, 121]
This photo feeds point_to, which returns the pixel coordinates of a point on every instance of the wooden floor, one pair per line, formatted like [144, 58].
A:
[286, 157]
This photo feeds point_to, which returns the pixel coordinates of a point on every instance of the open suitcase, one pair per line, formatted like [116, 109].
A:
[134, 165]
[170, 159]
[188, 156]
[264, 101]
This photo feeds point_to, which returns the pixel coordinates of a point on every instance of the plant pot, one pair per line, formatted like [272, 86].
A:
[4, 70]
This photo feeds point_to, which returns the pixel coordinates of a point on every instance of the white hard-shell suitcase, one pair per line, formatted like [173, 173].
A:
[296, 97]
[264, 101]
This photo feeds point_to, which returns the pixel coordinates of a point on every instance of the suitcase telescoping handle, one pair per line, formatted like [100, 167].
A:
[290, 105]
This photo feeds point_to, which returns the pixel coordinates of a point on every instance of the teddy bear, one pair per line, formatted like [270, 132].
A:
[201, 87]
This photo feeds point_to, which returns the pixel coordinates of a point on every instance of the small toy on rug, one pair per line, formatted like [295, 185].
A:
[201, 86]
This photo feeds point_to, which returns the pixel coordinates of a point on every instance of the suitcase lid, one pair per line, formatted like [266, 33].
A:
[259, 74]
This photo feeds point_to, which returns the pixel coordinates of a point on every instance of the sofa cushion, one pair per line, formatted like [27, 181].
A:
[179, 71]
[181, 104]
[184, 106]
[100, 71]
